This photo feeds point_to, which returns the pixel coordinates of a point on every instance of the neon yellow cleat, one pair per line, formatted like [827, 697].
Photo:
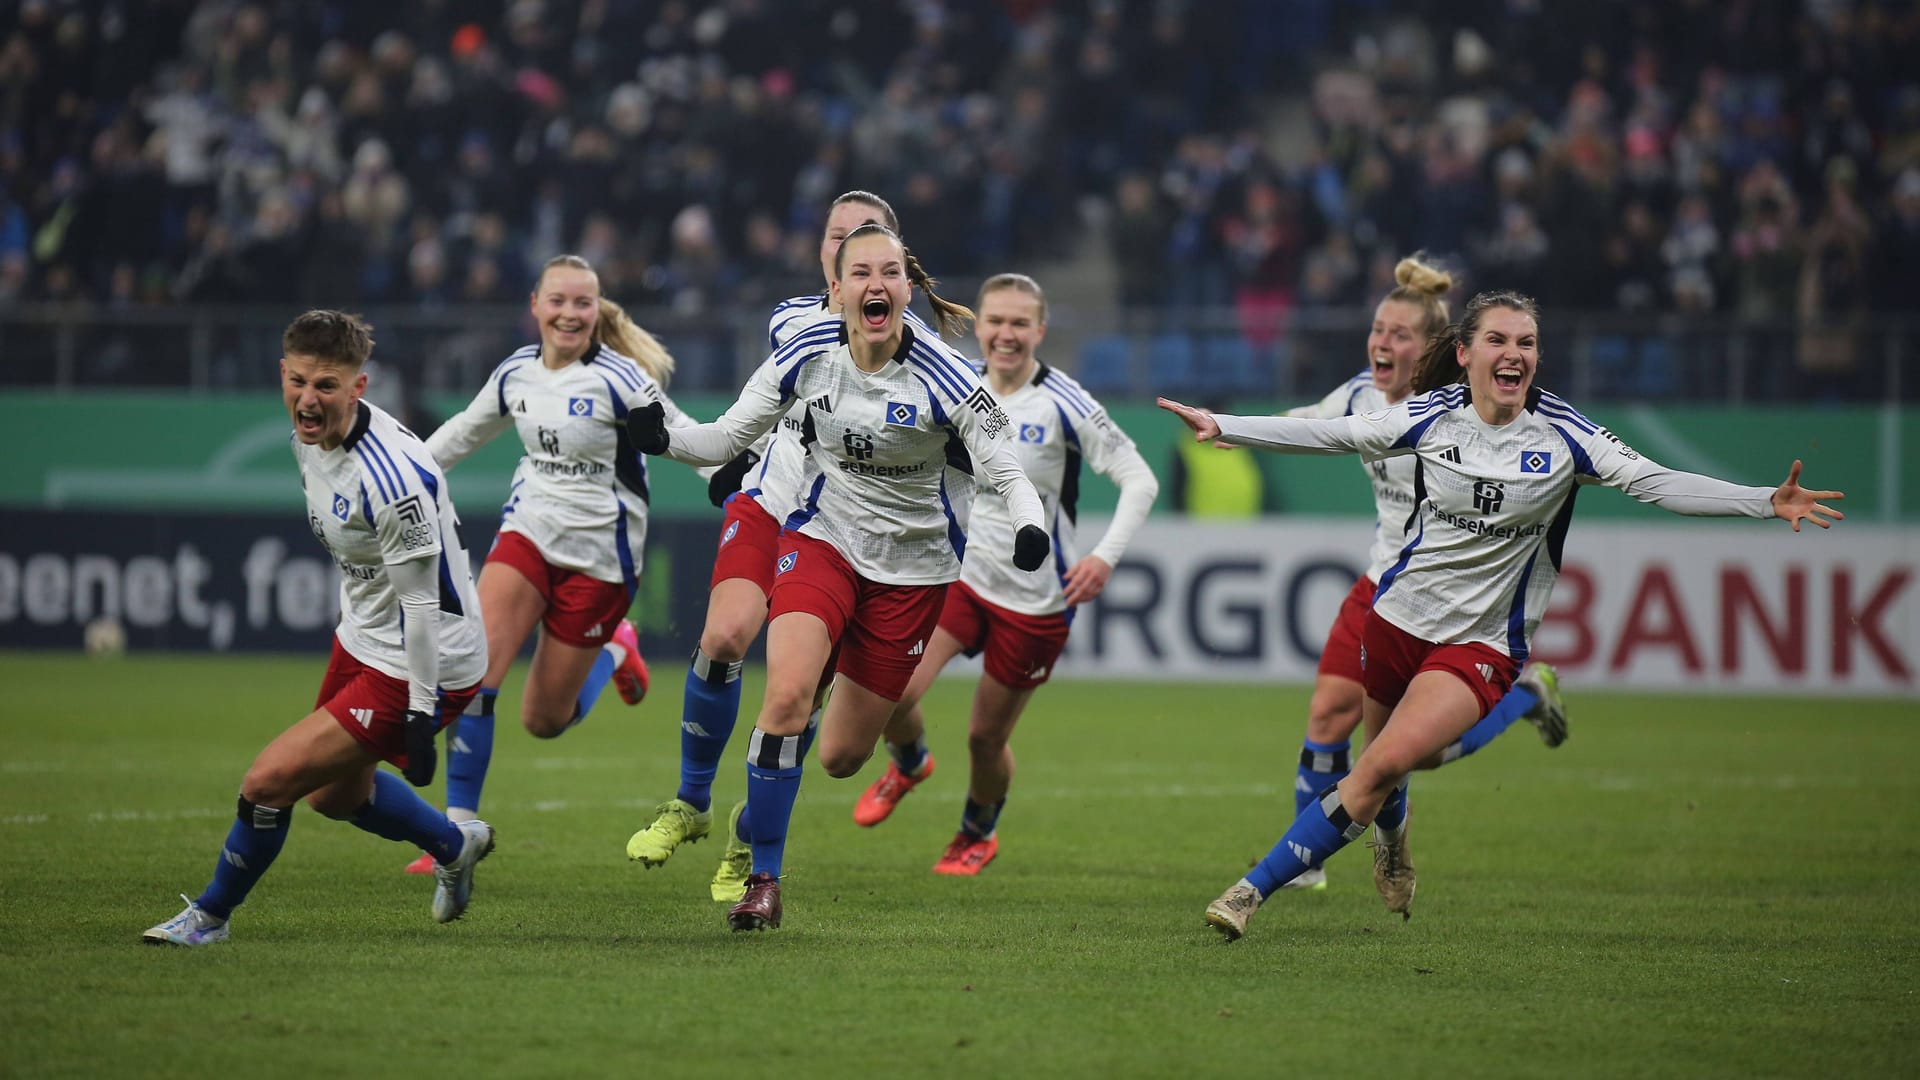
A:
[675, 822]
[730, 881]
[1550, 715]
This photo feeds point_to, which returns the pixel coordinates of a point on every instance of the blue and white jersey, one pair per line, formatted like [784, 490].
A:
[777, 481]
[1491, 504]
[379, 500]
[878, 446]
[1391, 478]
[1056, 428]
[580, 492]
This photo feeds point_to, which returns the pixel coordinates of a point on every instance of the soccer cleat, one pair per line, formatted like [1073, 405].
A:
[759, 909]
[879, 800]
[631, 677]
[422, 865]
[1230, 913]
[453, 882]
[1393, 871]
[1550, 713]
[967, 855]
[730, 881]
[1312, 879]
[191, 927]
[675, 822]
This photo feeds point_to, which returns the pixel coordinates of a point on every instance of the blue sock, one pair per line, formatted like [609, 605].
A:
[394, 812]
[1515, 705]
[1321, 764]
[979, 819]
[909, 757]
[743, 829]
[253, 842]
[597, 677]
[1321, 829]
[773, 782]
[470, 751]
[707, 715]
[813, 730]
[1393, 812]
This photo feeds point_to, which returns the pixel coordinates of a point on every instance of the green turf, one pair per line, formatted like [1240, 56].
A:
[1692, 886]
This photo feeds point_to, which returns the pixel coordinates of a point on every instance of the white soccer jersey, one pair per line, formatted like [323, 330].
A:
[878, 446]
[378, 500]
[776, 481]
[1391, 478]
[1056, 426]
[1489, 502]
[580, 492]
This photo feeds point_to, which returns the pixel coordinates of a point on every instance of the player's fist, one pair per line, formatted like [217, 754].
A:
[726, 479]
[1030, 547]
[647, 427]
[422, 756]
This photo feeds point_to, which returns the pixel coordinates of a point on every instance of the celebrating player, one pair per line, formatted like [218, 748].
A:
[1402, 323]
[568, 554]
[1496, 463]
[865, 560]
[407, 656]
[1019, 620]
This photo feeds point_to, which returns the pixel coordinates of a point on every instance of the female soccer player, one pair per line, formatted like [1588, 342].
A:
[865, 560]
[1019, 620]
[568, 554]
[1496, 463]
[1410, 314]
[408, 653]
[758, 489]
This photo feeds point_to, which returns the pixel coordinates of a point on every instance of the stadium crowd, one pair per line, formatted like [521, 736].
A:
[1751, 157]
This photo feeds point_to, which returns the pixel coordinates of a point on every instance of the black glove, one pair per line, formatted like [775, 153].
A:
[422, 756]
[726, 479]
[1030, 546]
[647, 427]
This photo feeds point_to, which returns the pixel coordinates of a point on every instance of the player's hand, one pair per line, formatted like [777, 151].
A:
[647, 427]
[1791, 503]
[726, 479]
[1087, 578]
[1030, 546]
[422, 755]
[1205, 427]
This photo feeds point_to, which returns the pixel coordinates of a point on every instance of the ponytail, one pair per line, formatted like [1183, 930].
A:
[948, 317]
[616, 330]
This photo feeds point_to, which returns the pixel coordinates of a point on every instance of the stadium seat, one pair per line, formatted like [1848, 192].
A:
[1106, 365]
[1655, 376]
[1172, 365]
[1611, 360]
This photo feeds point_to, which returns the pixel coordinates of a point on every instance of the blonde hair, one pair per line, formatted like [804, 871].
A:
[1425, 286]
[948, 317]
[1018, 283]
[616, 330]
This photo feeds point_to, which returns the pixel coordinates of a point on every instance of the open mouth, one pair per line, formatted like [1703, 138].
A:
[1507, 378]
[307, 422]
[874, 313]
[568, 326]
[1383, 365]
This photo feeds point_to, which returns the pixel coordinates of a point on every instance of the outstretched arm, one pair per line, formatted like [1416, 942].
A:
[1791, 502]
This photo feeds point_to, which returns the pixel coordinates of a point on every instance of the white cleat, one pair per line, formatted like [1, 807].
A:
[191, 927]
[1230, 913]
[1312, 879]
[454, 881]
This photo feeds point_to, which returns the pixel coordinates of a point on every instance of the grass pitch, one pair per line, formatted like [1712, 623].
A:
[1690, 887]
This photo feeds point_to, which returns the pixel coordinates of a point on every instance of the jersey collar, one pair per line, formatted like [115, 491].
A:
[593, 352]
[362, 419]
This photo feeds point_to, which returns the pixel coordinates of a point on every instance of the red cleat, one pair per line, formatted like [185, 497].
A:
[760, 909]
[631, 677]
[967, 855]
[879, 800]
[422, 865]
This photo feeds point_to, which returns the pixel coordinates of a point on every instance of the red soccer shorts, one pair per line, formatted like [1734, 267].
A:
[581, 611]
[1341, 654]
[1021, 649]
[749, 544]
[372, 705]
[879, 631]
[1392, 657]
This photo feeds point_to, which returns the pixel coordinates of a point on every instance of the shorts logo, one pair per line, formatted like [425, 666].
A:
[901, 415]
[1363, 657]
[786, 562]
[732, 527]
[365, 716]
[919, 647]
[1536, 461]
[580, 406]
[342, 509]
[1486, 671]
[1033, 433]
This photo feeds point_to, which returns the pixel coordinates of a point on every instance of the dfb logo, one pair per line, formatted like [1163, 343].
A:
[1488, 495]
[859, 446]
[549, 442]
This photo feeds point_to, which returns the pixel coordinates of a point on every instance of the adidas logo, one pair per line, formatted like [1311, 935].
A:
[1486, 671]
[233, 858]
[1039, 672]
[692, 727]
[1451, 453]
[459, 745]
[365, 716]
[1301, 852]
[596, 631]
[919, 647]
[1300, 784]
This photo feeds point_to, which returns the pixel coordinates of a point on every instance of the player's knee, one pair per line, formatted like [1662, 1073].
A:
[271, 783]
[841, 763]
[1374, 778]
[726, 641]
[986, 745]
[1332, 719]
[334, 804]
[544, 724]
